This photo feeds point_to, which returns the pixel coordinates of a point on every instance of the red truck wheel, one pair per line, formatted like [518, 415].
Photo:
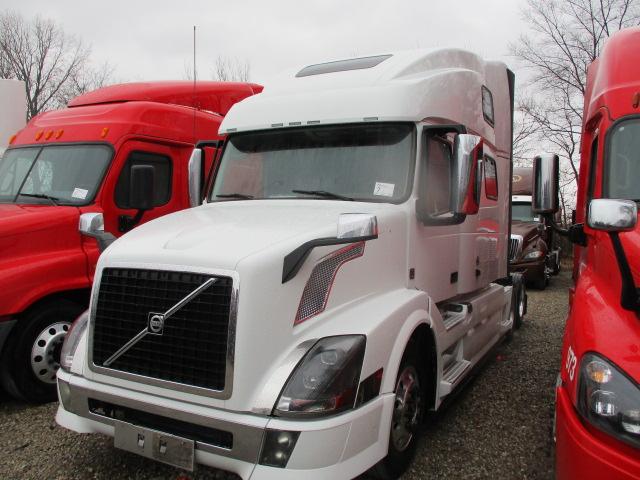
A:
[35, 351]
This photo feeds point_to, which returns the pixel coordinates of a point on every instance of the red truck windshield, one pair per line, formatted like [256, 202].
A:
[59, 174]
[622, 165]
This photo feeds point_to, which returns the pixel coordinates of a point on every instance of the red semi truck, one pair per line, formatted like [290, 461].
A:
[70, 182]
[597, 414]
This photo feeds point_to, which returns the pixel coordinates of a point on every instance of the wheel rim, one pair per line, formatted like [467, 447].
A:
[45, 353]
[406, 411]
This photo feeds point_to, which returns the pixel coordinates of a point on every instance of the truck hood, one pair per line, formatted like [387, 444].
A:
[219, 235]
[252, 238]
[26, 229]
[528, 230]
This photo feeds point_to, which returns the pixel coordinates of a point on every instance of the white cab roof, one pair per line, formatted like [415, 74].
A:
[407, 86]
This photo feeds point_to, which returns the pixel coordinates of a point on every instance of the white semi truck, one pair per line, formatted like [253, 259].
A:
[13, 110]
[346, 273]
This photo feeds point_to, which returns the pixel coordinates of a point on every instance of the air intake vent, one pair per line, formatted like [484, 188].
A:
[316, 292]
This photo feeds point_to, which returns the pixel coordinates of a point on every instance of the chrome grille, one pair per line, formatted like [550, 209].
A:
[515, 247]
[316, 291]
[192, 348]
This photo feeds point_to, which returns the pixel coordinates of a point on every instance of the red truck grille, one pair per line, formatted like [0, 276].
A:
[192, 347]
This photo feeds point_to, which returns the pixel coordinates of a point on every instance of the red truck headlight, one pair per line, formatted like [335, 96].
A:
[325, 382]
[608, 399]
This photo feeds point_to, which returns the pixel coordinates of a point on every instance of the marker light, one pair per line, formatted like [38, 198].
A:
[39, 135]
[59, 133]
[12, 139]
[49, 135]
[105, 131]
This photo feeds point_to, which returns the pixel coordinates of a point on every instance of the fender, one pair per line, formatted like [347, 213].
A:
[22, 284]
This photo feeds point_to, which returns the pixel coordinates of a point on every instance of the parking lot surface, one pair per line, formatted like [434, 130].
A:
[499, 426]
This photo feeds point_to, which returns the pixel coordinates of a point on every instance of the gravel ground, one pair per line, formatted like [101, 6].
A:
[498, 427]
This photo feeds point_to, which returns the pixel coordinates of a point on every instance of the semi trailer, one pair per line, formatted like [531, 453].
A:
[597, 411]
[347, 272]
[68, 184]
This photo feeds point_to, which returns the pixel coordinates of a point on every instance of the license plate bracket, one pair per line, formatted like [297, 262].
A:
[163, 447]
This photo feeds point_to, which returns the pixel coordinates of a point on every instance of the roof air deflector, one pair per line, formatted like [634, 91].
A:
[342, 65]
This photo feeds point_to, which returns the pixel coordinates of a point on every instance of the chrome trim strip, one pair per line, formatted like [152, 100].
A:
[247, 440]
[180, 387]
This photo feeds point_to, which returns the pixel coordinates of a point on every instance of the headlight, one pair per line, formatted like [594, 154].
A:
[72, 339]
[609, 400]
[325, 382]
[536, 254]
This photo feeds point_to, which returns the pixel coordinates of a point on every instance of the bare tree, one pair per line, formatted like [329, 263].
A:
[228, 69]
[566, 36]
[55, 66]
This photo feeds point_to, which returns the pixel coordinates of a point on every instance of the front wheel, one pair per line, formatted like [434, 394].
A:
[408, 410]
[34, 355]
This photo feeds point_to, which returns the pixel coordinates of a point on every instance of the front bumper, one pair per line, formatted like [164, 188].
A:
[343, 446]
[579, 454]
[531, 270]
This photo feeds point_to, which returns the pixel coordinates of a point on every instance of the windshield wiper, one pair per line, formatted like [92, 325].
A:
[53, 200]
[242, 196]
[324, 193]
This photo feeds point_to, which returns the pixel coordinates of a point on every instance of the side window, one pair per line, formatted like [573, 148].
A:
[593, 165]
[162, 183]
[490, 178]
[487, 105]
[438, 177]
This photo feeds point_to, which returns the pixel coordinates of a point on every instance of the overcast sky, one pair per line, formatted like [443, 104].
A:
[147, 40]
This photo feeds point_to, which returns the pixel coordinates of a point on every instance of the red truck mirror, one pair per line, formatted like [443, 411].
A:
[612, 215]
[546, 171]
[465, 191]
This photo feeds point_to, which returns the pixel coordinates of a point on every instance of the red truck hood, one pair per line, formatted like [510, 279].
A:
[26, 229]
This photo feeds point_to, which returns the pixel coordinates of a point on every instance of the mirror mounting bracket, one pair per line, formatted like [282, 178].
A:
[127, 222]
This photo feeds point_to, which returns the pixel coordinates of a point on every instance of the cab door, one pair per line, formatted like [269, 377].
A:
[169, 193]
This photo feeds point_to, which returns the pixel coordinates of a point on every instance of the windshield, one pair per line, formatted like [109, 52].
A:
[356, 162]
[55, 174]
[622, 165]
[523, 212]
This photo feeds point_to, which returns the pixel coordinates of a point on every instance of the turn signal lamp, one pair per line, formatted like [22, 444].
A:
[598, 371]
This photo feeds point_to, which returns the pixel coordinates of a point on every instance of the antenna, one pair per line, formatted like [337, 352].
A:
[194, 85]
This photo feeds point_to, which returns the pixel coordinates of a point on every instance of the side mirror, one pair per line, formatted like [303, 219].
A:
[92, 225]
[612, 215]
[356, 226]
[141, 188]
[546, 175]
[465, 191]
[194, 174]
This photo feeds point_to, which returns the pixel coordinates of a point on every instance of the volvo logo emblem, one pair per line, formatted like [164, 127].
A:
[155, 324]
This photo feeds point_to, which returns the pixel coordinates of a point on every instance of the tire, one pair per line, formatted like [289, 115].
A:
[34, 352]
[541, 282]
[519, 307]
[409, 408]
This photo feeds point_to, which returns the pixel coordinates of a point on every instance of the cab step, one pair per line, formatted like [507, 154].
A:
[455, 313]
[452, 375]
